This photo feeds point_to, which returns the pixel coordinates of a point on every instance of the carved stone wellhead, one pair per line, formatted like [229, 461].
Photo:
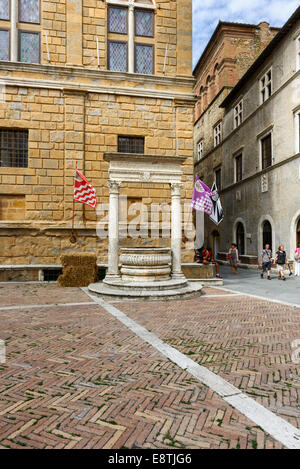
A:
[145, 264]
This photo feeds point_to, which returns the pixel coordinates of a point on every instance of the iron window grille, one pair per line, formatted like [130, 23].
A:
[131, 144]
[14, 148]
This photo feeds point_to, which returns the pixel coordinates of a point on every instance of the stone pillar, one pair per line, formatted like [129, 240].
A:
[14, 31]
[184, 37]
[131, 38]
[176, 224]
[74, 32]
[113, 231]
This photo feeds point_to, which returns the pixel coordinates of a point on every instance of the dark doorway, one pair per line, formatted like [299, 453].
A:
[298, 234]
[267, 234]
[240, 238]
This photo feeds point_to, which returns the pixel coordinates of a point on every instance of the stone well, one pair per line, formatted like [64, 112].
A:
[145, 264]
[145, 273]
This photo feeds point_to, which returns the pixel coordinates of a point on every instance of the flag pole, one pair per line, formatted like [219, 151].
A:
[73, 237]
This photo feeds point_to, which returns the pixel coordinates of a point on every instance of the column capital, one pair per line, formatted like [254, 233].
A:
[114, 186]
[176, 188]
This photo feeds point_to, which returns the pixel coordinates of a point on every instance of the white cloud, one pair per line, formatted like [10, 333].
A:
[207, 13]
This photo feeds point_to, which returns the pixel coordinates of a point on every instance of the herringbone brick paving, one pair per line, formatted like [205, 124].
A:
[247, 341]
[77, 378]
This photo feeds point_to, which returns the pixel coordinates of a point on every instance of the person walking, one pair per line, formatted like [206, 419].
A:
[266, 256]
[233, 256]
[280, 260]
[297, 261]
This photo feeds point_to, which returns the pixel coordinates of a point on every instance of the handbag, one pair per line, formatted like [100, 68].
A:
[229, 256]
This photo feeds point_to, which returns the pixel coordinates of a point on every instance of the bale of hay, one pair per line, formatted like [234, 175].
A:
[79, 270]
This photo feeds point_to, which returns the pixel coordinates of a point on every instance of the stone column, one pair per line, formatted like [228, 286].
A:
[113, 231]
[131, 38]
[14, 31]
[176, 224]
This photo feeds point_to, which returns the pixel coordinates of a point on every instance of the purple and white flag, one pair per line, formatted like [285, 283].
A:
[202, 197]
[217, 214]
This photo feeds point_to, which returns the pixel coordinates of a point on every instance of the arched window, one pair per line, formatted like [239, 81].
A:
[267, 234]
[240, 238]
[208, 89]
[216, 79]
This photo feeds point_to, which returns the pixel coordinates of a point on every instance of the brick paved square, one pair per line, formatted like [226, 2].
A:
[75, 377]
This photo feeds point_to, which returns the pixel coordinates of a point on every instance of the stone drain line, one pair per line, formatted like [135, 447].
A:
[278, 428]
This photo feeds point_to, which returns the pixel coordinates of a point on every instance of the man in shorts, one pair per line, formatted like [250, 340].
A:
[266, 260]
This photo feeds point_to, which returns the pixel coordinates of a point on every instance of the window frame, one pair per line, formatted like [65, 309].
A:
[38, 33]
[217, 134]
[9, 51]
[297, 131]
[298, 53]
[268, 134]
[153, 22]
[265, 86]
[153, 57]
[238, 171]
[14, 129]
[238, 114]
[29, 22]
[108, 55]
[119, 7]
[200, 147]
[131, 141]
[219, 171]
[9, 12]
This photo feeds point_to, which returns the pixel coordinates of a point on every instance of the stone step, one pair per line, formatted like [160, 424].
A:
[188, 291]
[171, 284]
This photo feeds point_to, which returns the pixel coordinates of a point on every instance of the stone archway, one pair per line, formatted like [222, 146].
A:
[260, 234]
[239, 235]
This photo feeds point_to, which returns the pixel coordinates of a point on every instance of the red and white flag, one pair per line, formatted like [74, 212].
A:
[84, 192]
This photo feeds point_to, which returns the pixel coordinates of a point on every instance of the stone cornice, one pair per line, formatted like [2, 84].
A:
[143, 157]
[259, 173]
[85, 72]
[105, 89]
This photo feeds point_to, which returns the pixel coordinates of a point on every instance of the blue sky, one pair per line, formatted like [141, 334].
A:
[207, 13]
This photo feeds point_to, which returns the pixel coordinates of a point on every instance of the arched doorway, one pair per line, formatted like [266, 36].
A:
[298, 234]
[267, 234]
[240, 238]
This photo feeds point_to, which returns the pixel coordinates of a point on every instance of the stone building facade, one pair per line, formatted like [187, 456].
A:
[231, 50]
[260, 151]
[77, 77]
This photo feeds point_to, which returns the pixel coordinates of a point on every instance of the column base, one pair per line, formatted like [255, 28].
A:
[111, 278]
[179, 275]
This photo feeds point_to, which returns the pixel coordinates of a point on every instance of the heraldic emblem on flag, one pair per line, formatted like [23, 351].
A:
[202, 197]
[84, 192]
[217, 214]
